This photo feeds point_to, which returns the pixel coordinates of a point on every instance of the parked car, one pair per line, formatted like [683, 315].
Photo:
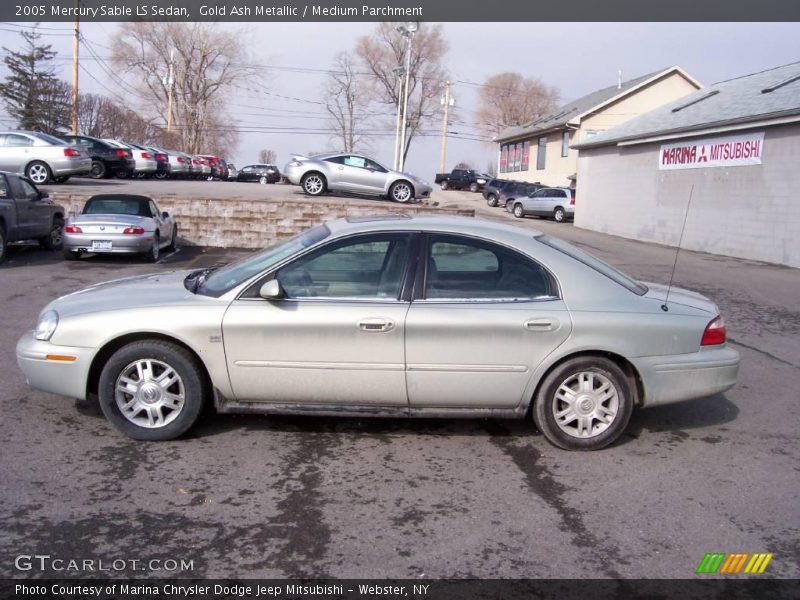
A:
[558, 203]
[178, 164]
[40, 157]
[217, 169]
[233, 172]
[120, 223]
[517, 189]
[107, 159]
[163, 165]
[492, 189]
[202, 167]
[145, 159]
[392, 316]
[353, 173]
[26, 213]
[460, 179]
[223, 169]
[261, 173]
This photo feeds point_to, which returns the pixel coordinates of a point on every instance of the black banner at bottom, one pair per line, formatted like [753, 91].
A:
[362, 589]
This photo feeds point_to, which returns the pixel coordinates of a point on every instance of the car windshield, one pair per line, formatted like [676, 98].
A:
[116, 206]
[228, 277]
[595, 263]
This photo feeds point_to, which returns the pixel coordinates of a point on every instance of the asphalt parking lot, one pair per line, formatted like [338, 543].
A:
[251, 496]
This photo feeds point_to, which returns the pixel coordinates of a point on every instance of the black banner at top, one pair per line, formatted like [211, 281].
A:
[400, 10]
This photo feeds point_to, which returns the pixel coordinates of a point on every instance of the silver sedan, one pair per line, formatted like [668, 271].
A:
[386, 316]
[355, 174]
[120, 223]
[40, 157]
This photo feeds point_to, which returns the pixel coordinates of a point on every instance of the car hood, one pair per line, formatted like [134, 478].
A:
[101, 219]
[160, 289]
[677, 295]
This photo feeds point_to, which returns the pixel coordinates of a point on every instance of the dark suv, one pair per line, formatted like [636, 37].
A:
[107, 160]
[491, 192]
[517, 189]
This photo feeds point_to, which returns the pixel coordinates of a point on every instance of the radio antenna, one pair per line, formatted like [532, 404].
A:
[664, 306]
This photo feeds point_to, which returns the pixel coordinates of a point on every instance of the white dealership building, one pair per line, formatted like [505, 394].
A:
[733, 147]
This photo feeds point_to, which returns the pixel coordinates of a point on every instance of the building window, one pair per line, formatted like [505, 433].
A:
[540, 155]
[518, 157]
[565, 143]
[526, 155]
[503, 159]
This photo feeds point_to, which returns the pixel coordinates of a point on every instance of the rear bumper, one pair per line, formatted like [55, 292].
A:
[70, 166]
[120, 243]
[146, 166]
[66, 378]
[668, 379]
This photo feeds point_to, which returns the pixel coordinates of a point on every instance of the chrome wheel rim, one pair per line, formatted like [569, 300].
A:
[517, 211]
[262, 180]
[150, 393]
[313, 185]
[37, 173]
[585, 404]
[559, 216]
[155, 248]
[401, 192]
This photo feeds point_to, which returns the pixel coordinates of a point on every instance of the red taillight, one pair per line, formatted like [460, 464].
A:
[72, 229]
[181, 160]
[161, 157]
[71, 152]
[121, 152]
[572, 201]
[715, 332]
[197, 162]
[133, 230]
[145, 155]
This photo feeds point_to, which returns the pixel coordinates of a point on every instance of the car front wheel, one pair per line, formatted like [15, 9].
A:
[401, 191]
[98, 170]
[473, 187]
[152, 390]
[583, 404]
[518, 212]
[314, 184]
[53, 240]
[491, 200]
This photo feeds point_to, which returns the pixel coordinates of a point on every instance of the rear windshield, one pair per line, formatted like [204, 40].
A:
[50, 139]
[595, 263]
[116, 207]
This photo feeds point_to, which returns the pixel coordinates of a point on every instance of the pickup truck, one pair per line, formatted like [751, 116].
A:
[460, 179]
[27, 214]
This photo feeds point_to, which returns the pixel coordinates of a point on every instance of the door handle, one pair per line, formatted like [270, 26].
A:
[376, 325]
[543, 324]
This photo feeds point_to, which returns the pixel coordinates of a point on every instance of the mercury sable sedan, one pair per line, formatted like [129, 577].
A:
[387, 316]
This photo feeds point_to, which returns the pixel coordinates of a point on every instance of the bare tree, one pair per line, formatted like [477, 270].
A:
[267, 157]
[346, 101]
[510, 99]
[384, 50]
[463, 165]
[208, 63]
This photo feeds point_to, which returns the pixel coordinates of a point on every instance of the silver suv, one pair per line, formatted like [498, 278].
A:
[40, 157]
[558, 203]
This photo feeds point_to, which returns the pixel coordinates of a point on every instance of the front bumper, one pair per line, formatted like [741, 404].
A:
[66, 378]
[422, 190]
[70, 166]
[668, 379]
[120, 243]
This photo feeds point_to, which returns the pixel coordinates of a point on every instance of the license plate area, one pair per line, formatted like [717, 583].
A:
[101, 246]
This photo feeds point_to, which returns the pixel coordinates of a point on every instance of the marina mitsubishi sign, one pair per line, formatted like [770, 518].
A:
[727, 151]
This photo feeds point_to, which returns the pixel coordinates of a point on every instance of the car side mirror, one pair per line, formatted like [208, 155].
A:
[43, 195]
[271, 290]
[165, 215]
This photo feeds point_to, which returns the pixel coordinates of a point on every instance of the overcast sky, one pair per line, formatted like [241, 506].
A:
[577, 58]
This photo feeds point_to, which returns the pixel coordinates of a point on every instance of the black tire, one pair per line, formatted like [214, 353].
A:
[473, 187]
[401, 191]
[173, 244]
[62, 179]
[38, 172]
[160, 175]
[124, 173]
[154, 253]
[519, 212]
[190, 384]
[3, 244]
[547, 404]
[444, 185]
[314, 184]
[72, 254]
[492, 200]
[559, 215]
[98, 170]
[55, 239]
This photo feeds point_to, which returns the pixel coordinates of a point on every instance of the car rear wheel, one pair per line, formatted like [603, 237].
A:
[3, 244]
[160, 175]
[518, 211]
[445, 185]
[173, 244]
[152, 390]
[123, 173]
[559, 215]
[401, 191]
[473, 187]
[155, 250]
[262, 180]
[314, 184]
[491, 200]
[98, 170]
[583, 404]
[53, 240]
[38, 172]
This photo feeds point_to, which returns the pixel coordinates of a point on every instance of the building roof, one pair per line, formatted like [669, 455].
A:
[767, 95]
[585, 104]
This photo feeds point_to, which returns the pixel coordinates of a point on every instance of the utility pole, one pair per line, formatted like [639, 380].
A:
[75, 49]
[170, 82]
[400, 72]
[448, 102]
[408, 30]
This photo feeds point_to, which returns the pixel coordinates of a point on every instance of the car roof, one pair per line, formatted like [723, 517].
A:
[439, 223]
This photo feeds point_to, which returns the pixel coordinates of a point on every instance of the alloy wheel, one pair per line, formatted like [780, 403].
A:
[401, 192]
[149, 393]
[585, 404]
[313, 185]
[38, 173]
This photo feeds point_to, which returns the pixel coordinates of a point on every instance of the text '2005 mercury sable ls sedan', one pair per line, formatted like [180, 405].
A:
[392, 316]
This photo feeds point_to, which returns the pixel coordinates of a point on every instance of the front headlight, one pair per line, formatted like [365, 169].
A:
[46, 327]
